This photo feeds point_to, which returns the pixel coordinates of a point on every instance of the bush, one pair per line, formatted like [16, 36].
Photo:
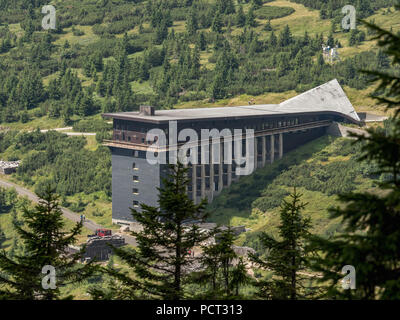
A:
[271, 198]
[92, 125]
[271, 12]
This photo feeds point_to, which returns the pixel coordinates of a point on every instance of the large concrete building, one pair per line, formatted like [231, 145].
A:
[278, 128]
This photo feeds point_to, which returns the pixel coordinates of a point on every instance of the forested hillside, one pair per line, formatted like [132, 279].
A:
[80, 173]
[115, 55]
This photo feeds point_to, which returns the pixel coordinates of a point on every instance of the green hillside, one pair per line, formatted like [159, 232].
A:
[320, 170]
[115, 55]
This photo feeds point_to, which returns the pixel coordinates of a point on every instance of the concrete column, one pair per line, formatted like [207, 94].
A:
[280, 145]
[203, 181]
[272, 155]
[212, 185]
[221, 169]
[264, 150]
[255, 153]
[194, 183]
[186, 187]
[229, 174]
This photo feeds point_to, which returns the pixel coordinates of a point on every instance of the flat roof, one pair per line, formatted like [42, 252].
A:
[328, 97]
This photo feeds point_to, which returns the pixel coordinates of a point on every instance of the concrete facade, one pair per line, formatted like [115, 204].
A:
[277, 130]
[133, 179]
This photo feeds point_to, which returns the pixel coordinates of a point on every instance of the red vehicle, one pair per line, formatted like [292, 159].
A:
[101, 233]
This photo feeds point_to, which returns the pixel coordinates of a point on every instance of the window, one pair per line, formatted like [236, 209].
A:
[135, 178]
[135, 204]
[135, 154]
[135, 191]
[134, 167]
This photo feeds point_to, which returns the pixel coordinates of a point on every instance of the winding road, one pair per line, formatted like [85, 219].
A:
[91, 225]
[69, 133]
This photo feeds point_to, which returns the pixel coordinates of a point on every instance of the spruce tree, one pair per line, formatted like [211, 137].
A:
[45, 242]
[331, 41]
[240, 17]
[222, 272]
[201, 41]
[285, 37]
[2, 237]
[161, 262]
[192, 23]
[239, 277]
[287, 256]
[251, 18]
[371, 241]
[273, 40]
[217, 23]
[268, 26]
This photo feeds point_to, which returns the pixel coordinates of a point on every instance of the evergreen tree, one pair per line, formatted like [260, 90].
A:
[217, 23]
[161, 32]
[219, 274]
[371, 242]
[251, 18]
[353, 39]
[257, 3]
[201, 41]
[2, 237]
[161, 263]
[286, 257]
[273, 40]
[331, 41]
[285, 37]
[240, 17]
[227, 254]
[192, 23]
[225, 6]
[320, 60]
[46, 243]
[268, 26]
[239, 277]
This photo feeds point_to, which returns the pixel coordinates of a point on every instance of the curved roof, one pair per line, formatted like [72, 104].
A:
[328, 97]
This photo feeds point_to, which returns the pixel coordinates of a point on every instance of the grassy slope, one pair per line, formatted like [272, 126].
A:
[224, 212]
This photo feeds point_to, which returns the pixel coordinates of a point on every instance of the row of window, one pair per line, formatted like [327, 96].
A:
[256, 127]
[135, 191]
[140, 129]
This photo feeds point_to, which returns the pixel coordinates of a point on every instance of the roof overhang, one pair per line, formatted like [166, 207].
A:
[327, 98]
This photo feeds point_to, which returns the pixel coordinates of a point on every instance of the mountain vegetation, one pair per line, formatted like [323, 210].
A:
[114, 55]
